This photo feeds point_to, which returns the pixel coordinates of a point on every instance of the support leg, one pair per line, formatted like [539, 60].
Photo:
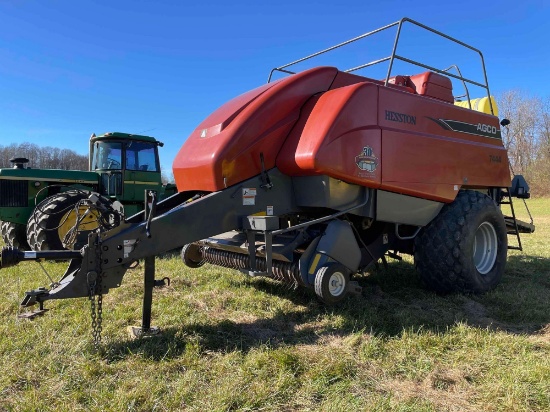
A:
[149, 284]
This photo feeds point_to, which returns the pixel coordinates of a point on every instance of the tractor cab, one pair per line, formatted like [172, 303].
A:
[127, 164]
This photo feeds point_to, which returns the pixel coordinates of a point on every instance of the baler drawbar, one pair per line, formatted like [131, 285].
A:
[313, 178]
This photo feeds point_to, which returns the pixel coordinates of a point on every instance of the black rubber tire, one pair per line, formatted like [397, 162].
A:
[191, 255]
[444, 249]
[326, 289]
[13, 234]
[42, 233]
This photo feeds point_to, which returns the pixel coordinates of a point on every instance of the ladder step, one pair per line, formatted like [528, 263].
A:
[523, 227]
[515, 248]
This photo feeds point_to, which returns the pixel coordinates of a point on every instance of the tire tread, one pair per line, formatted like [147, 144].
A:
[443, 249]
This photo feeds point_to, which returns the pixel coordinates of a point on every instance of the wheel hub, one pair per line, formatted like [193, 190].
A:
[82, 220]
[485, 247]
[337, 284]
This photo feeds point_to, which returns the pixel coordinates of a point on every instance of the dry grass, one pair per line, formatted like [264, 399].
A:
[234, 343]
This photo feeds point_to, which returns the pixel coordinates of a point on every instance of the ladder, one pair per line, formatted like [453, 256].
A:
[514, 226]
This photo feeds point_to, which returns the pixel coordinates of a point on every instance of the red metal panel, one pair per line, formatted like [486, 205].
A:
[403, 81]
[286, 159]
[346, 79]
[331, 137]
[396, 110]
[226, 147]
[408, 141]
[425, 157]
[437, 167]
[434, 85]
[360, 132]
[219, 119]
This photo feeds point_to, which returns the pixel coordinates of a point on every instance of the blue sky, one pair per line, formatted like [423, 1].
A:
[70, 68]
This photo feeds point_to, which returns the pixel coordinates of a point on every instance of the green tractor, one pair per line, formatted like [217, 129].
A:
[44, 209]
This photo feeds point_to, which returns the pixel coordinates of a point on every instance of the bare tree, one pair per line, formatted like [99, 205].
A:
[520, 137]
[43, 157]
[527, 138]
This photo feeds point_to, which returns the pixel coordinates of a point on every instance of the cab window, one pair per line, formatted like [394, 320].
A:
[107, 156]
[141, 156]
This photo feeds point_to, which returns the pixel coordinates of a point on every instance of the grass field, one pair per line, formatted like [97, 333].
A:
[234, 343]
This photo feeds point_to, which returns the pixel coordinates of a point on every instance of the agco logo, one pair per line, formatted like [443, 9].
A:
[366, 161]
[485, 128]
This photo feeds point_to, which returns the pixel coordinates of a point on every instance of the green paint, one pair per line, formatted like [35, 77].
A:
[122, 166]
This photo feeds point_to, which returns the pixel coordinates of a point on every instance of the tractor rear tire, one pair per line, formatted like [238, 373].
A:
[50, 220]
[464, 248]
[191, 255]
[13, 235]
[331, 283]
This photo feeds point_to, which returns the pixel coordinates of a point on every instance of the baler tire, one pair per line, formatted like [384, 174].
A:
[13, 235]
[456, 252]
[331, 283]
[42, 228]
[191, 255]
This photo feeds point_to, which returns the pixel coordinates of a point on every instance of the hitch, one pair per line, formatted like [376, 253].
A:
[31, 298]
[10, 256]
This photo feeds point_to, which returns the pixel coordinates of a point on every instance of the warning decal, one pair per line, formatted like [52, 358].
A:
[249, 196]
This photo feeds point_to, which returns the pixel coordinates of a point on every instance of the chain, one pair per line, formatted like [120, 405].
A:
[94, 284]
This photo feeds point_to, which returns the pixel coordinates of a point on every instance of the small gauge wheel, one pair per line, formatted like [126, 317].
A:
[331, 283]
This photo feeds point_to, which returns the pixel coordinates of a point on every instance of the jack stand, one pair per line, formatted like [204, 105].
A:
[32, 314]
[146, 330]
[136, 332]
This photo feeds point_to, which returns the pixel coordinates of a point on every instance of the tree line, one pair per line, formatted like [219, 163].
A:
[52, 158]
[43, 157]
[527, 138]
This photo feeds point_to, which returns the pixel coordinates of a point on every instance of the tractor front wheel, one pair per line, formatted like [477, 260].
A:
[331, 283]
[56, 221]
[464, 248]
[13, 235]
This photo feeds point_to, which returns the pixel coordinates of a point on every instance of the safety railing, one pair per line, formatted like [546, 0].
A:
[394, 56]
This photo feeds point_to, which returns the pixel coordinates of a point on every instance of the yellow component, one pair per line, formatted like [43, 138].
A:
[481, 105]
[228, 169]
[314, 263]
[69, 221]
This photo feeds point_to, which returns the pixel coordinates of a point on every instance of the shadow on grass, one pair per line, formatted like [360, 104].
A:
[392, 300]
